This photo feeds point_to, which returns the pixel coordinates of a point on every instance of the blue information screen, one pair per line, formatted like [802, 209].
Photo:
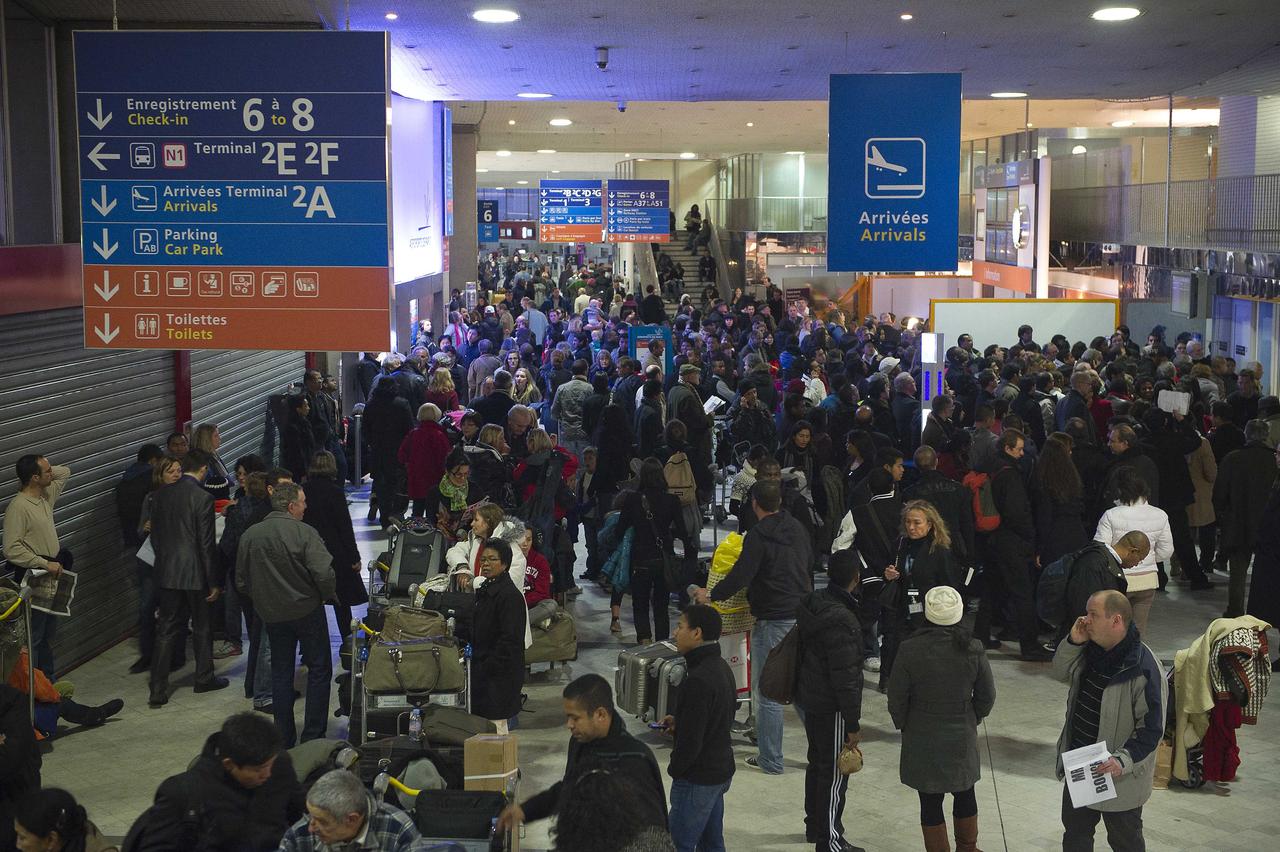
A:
[571, 211]
[226, 176]
[638, 211]
[894, 178]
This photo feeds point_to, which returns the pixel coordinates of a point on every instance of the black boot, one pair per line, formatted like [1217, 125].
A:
[79, 714]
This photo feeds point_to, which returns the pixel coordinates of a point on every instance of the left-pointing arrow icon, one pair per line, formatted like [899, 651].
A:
[105, 205]
[105, 332]
[106, 248]
[99, 121]
[97, 157]
[106, 289]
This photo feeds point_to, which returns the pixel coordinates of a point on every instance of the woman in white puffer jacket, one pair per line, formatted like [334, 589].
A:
[1133, 512]
[489, 521]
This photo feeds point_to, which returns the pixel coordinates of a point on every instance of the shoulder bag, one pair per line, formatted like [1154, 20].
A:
[670, 569]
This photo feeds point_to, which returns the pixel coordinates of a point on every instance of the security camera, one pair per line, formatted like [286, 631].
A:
[602, 58]
[622, 106]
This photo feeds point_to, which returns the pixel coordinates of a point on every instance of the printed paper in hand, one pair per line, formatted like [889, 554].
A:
[1085, 783]
[51, 593]
[147, 553]
[713, 404]
[1174, 402]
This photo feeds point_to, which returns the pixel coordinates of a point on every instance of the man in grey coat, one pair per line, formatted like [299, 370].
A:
[284, 567]
[566, 408]
[1117, 697]
[187, 575]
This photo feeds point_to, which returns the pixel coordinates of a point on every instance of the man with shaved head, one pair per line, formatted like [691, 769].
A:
[1117, 697]
[1099, 567]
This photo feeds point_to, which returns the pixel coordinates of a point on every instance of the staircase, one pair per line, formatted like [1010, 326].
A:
[689, 260]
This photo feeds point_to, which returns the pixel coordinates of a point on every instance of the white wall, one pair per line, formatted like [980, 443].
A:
[909, 296]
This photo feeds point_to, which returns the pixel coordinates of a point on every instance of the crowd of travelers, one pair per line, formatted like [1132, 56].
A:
[549, 411]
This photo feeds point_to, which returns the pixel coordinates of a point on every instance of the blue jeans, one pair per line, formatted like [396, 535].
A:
[43, 626]
[697, 816]
[257, 673]
[764, 636]
[312, 633]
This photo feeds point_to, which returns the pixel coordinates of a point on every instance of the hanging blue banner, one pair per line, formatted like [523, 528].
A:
[893, 195]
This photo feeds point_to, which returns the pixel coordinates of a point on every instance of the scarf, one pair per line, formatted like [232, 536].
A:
[1110, 662]
[456, 494]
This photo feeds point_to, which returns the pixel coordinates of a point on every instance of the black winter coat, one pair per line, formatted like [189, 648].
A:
[232, 818]
[1094, 569]
[19, 758]
[497, 649]
[1241, 492]
[830, 677]
[906, 423]
[921, 567]
[387, 419]
[954, 503]
[1264, 588]
[1169, 449]
[1145, 465]
[1060, 526]
[297, 446]
[702, 752]
[327, 514]
[777, 554]
[1016, 534]
[491, 473]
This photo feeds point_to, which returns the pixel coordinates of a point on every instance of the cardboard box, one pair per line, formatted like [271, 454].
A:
[491, 762]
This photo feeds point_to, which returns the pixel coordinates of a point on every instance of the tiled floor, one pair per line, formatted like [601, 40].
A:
[115, 770]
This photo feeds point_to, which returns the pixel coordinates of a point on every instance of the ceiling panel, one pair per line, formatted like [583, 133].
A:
[177, 11]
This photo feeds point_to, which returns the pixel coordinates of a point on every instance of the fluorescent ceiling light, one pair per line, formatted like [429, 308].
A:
[546, 150]
[391, 16]
[481, 171]
[535, 95]
[495, 16]
[559, 122]
[503, 153]
[522, 182]
[499, 187]
[555, 171]
[1116, 13]
[795, 153]
[1008, 94]
[906, 16]
[1123, 123]
[688, 155]
[511, 121]
[751, 124]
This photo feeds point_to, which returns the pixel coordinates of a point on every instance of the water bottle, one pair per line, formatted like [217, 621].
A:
[415, 724]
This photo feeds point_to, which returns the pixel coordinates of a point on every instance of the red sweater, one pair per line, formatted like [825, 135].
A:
[537, 576]
[422, 452]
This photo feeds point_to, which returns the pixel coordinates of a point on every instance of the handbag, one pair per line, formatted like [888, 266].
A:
[670, 567]
[781, 669]
[414, 656]
[849, 761]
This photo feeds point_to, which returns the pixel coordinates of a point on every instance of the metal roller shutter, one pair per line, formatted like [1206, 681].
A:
[231, 390]
[90, 410]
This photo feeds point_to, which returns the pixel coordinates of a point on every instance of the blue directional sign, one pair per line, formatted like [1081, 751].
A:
[894, 180]
[570, 211]
[487, 218]
[638, 211]
[226, 176]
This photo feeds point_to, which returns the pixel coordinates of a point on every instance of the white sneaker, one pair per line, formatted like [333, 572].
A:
[871, 664]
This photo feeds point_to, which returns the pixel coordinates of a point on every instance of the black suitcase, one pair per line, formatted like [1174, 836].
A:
[460, 606]
[418, 554]
[464, 816]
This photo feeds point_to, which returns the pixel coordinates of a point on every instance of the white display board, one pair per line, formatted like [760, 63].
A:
[997, 320]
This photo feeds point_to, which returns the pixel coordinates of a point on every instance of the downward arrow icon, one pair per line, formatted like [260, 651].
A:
[107, 248]
[105, 332]
[99, 121]
[103, 207]
[106, 289]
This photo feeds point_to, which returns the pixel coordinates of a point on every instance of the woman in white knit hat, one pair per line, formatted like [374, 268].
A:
[940, 689]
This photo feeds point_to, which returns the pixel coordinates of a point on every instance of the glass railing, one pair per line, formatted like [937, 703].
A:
[1241, 213]
[770, 213]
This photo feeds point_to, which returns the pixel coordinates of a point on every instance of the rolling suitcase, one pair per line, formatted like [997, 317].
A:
[634, 680]
[557, 644]
[466, 818]
[666, 678]
[418, 554]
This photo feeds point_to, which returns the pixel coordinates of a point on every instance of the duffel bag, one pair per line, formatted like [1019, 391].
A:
[415, 667]
[557, 644]
[458, 814]
[406, 622]
[452, 725]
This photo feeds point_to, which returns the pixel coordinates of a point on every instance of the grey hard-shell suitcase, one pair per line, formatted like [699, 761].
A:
[665, 680]
[636, 678]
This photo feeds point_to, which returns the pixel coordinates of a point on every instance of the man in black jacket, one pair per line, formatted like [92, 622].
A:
[188, 575]
[701, 765]
[240, 794]
[19, 758]
[1126, 450]
[599, 741]
[1099, 566]
[1009, 549]
[774, 568]
[829, 689]
[1240, 493]
[953, 501]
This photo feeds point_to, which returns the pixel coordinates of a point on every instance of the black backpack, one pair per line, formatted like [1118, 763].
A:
[151, 818]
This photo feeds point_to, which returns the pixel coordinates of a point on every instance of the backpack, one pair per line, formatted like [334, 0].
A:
[679, 475]
[985, 517]
[192, 818]
[1051, 590]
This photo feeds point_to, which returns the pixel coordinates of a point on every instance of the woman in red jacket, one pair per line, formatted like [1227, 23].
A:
[422, 453]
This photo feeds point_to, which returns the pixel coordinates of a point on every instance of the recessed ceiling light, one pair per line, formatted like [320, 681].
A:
[503, 153]
[511, 121]
[546, 150]
[495, 16]
[481, 171]
[794, 153]
[555, 171]
[1008, 94]
[751, 124]
[1116, 13]
[535, 95]
[1079, 149]
[391, 16]
[1029, 124]
[559, 122]
[522, 182]
[906, 16]
[688, 155]
[1124, 122]
[499, 187]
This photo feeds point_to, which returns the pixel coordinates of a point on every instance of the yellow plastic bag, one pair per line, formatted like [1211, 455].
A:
[735, 612]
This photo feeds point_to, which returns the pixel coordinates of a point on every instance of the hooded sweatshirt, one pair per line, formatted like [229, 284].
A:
[773, 567]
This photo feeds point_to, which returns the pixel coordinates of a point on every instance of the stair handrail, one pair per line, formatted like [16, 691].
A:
[646, 269]
[723, 286]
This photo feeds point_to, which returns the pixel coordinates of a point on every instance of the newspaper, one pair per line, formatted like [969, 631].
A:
[51, 593]
[1086, 785]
